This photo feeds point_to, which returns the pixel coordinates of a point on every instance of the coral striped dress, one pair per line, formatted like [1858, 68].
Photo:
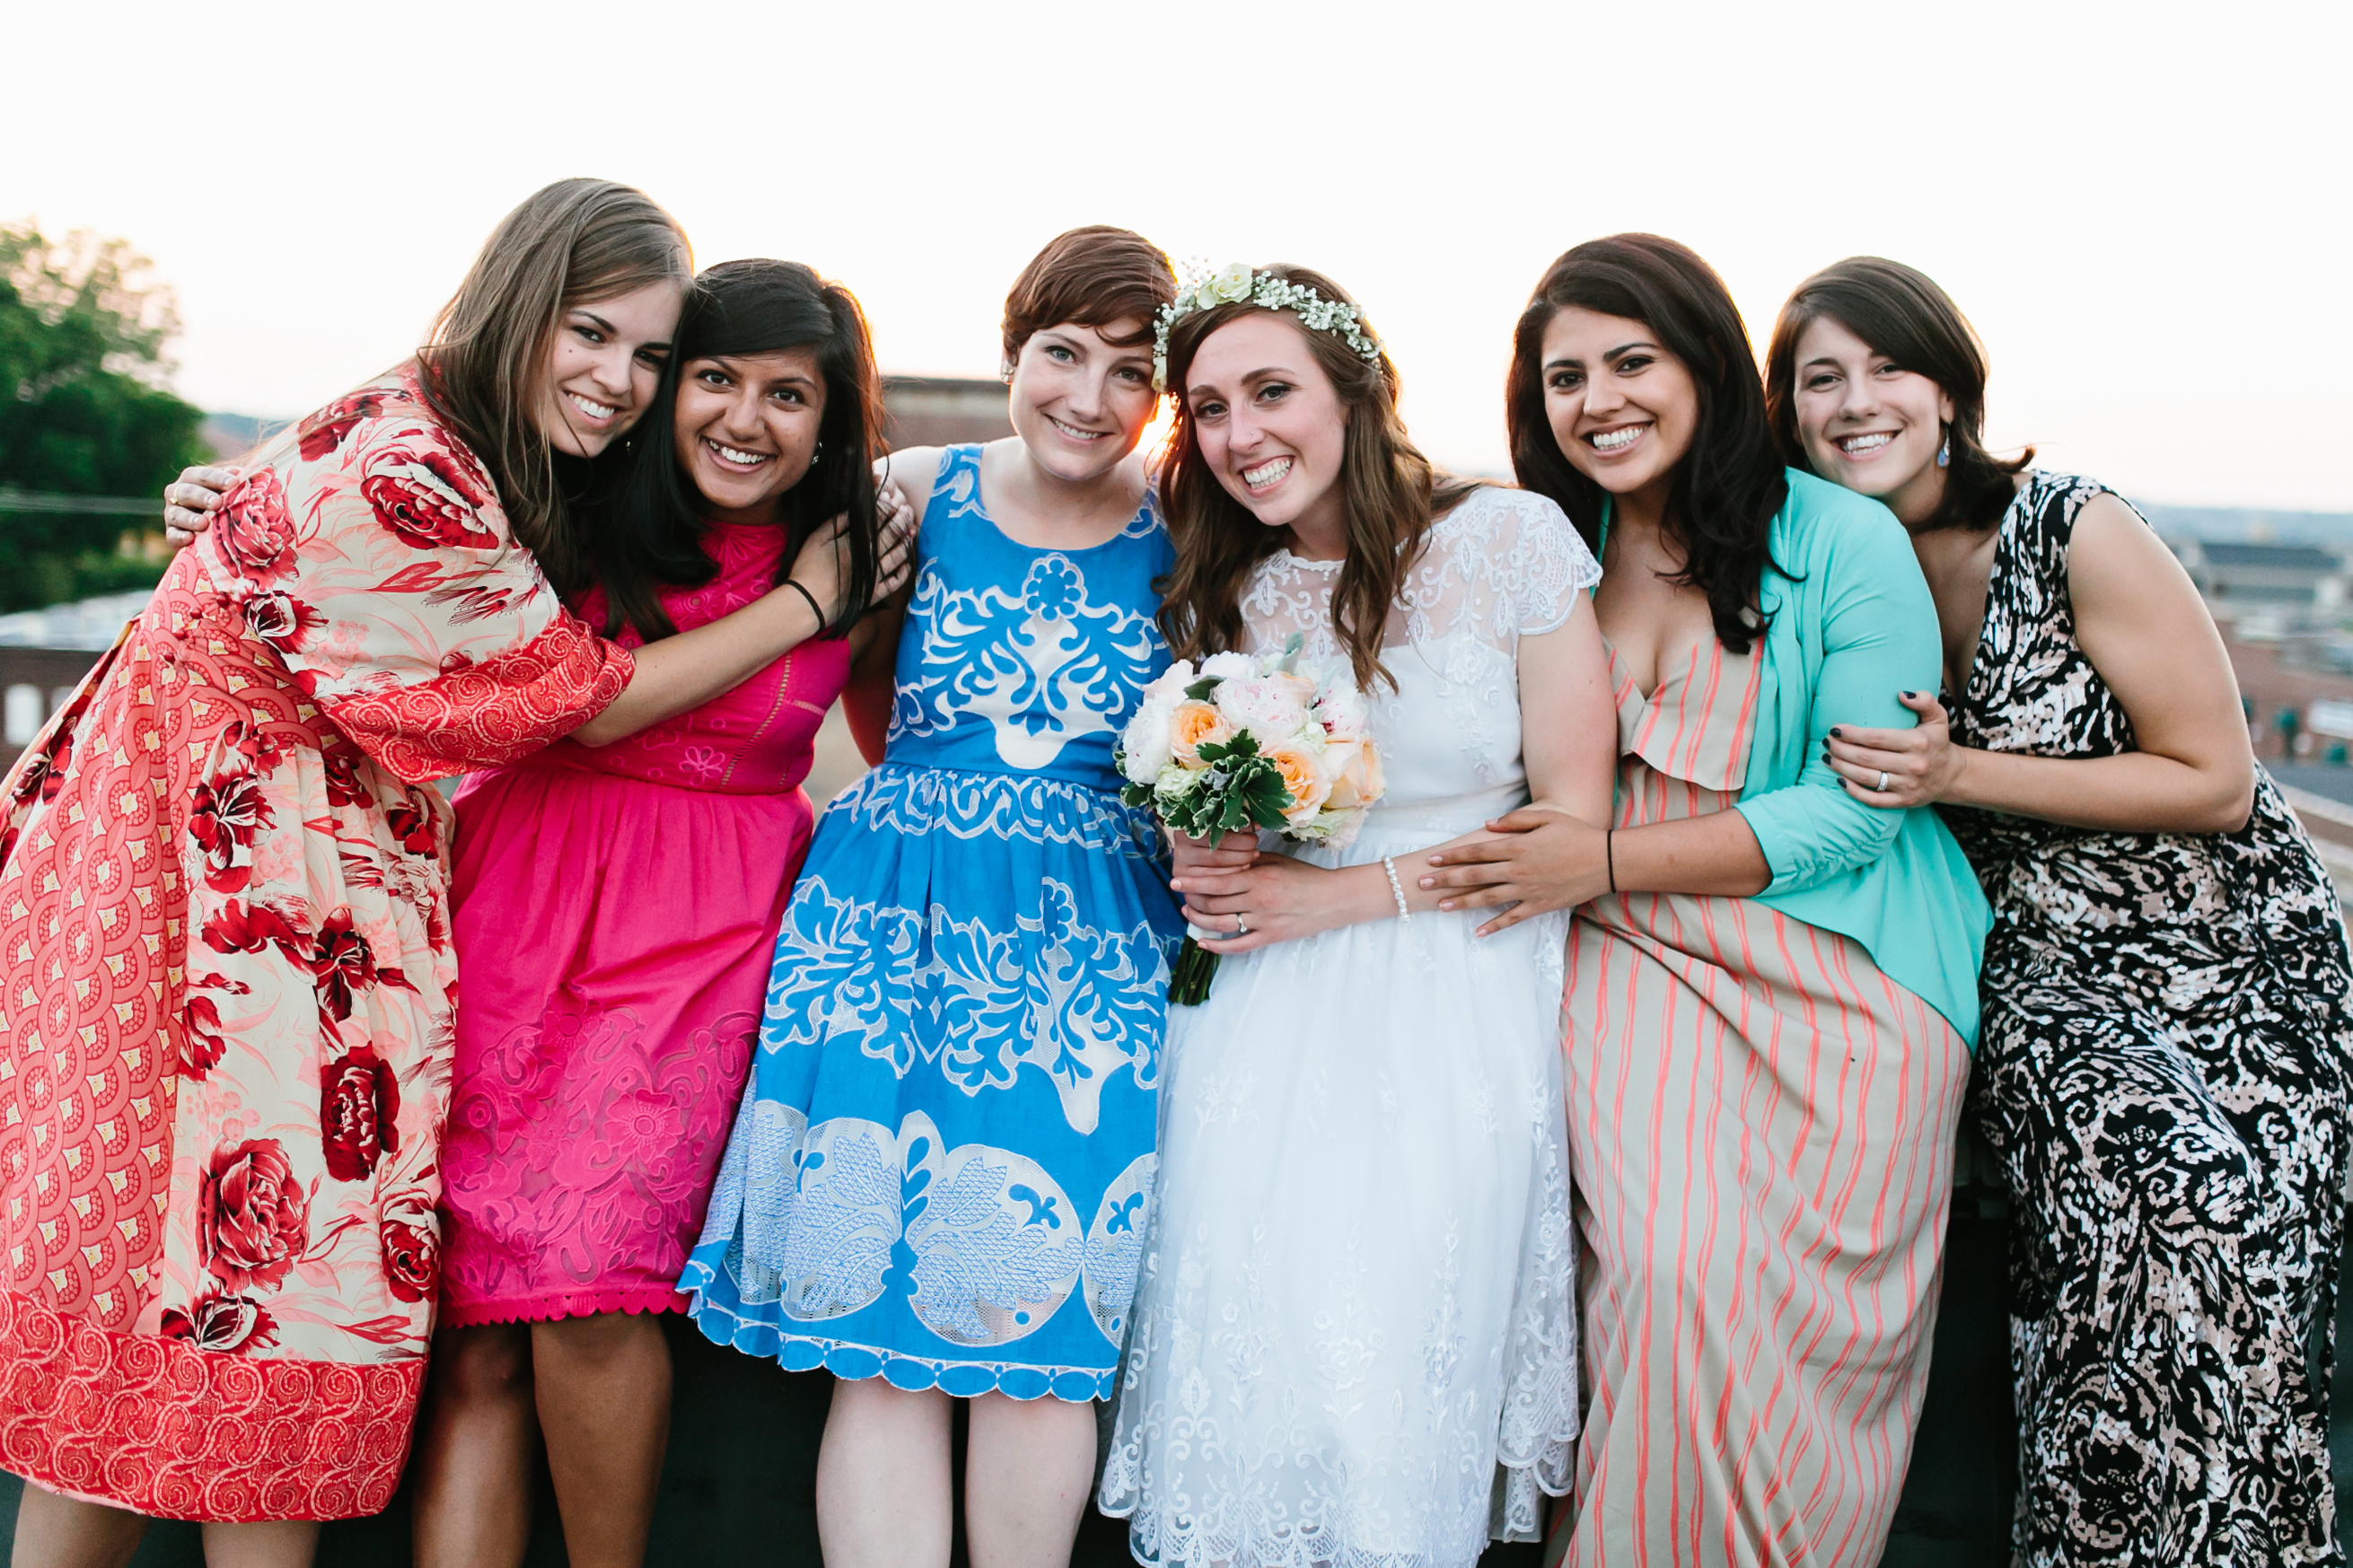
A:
[1761, 1130]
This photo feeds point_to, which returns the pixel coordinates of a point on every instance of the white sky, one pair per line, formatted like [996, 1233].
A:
[2145, 207]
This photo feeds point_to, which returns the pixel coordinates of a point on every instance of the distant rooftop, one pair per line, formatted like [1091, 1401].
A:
[2268, 557]
[2254, 525]
[92, 624]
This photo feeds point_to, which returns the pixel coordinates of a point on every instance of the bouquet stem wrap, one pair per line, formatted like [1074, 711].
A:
[1190, 976]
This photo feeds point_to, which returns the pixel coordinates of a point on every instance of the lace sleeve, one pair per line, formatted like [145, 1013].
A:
[1504, 564]
[1546, 565]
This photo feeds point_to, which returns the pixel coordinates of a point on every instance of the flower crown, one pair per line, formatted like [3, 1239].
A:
[1236, 284]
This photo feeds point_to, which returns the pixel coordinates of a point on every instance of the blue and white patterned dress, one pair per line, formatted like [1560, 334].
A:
[940, 1172]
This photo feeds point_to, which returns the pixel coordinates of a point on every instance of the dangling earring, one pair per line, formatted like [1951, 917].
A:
[815, 453]
[1945, 454]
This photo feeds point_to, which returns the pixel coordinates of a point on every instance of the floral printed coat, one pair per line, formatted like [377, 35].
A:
[226, 979]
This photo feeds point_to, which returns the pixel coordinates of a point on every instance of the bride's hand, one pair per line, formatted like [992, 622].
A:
[1276, 899]
[1542, 860]
[1189, 855]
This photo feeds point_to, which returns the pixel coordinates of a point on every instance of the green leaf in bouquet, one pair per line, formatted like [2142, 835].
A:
[1200, 691]
[1256, 798]
[1242, 746]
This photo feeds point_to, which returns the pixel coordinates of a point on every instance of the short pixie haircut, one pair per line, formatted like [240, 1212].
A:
[1090, 276]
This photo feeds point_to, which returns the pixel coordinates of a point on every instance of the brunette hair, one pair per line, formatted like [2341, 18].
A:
[1390, 493]
[654, 534]
[484, 363]
[1089, 276]
[1728, 487]
[1902, 313]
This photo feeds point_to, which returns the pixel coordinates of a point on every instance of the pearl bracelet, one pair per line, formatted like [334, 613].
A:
[1388, 864]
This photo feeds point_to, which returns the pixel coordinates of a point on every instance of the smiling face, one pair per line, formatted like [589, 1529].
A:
[1271, 428]
[1622, 407]
[602, 366]
[747, 427]
[1079, 401]
[1866, 422]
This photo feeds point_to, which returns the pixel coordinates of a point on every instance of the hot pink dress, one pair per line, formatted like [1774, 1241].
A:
[619, 906]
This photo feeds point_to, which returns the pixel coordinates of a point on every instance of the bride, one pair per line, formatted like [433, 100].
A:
[1355, 1340]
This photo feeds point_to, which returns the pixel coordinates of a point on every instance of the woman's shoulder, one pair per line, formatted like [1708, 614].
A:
[2059, 501]
[1502, 515]
[1820, 522]
[390, 411]
[385, 444]
[1510, 526]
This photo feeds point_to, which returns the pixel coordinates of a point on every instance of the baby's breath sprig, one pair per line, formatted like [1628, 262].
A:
[1236, 284]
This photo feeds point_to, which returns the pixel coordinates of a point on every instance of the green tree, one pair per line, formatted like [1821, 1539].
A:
[85, 409]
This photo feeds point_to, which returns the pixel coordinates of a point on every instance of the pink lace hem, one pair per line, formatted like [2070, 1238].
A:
[568, 1304]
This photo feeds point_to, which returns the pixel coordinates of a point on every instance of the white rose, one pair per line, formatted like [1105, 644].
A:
[1169, 689]
[1229, 284]
[1228, 667]
[1144, 746]
[1270, 709]
[1342, 710]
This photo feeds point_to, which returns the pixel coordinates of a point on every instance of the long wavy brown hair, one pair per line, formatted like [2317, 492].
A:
[485, 360]
[1729, 486]
[1390, 490]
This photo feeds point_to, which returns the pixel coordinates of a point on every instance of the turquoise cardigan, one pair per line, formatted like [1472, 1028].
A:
[1852, 623]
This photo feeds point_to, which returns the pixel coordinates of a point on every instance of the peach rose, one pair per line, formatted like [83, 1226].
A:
[1304, 776]
[1193, 725]
[1371, 782]
[1355, 770]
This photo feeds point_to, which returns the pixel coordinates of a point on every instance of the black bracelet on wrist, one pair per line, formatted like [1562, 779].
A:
[1610, 853]
[797, 587]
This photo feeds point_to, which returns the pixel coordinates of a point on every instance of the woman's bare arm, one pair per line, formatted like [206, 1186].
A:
[690, 668]
[2146, 630]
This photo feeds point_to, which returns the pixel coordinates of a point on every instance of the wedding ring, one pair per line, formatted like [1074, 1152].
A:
[1242, 926]
[1881, 788]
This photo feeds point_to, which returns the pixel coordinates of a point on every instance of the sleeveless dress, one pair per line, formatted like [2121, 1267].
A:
[940, 1172]
[2163, 1075]
[227, 977]
[1762, 1126]
[630, 895]
[1355, 1339]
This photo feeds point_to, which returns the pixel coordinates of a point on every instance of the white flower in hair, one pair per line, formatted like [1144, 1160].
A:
[1229, 285]
[1236, 284]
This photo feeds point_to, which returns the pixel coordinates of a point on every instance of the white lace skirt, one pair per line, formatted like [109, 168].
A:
[1355, 1340]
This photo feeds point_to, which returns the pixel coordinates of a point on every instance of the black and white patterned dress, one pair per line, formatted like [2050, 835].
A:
[2163, 1074]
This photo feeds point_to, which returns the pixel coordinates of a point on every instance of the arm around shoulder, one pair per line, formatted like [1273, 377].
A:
[1877, 635]
[914, 470]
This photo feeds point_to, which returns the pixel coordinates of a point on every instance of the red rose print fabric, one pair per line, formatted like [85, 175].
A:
[226, 979]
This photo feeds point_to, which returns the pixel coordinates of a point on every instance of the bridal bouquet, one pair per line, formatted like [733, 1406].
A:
[1246, 743]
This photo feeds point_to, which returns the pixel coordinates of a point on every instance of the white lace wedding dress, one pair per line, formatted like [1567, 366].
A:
[1354, 1339]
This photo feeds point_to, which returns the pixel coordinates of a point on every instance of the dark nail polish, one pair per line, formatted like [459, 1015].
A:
[1911, 694]
[1836, 733]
